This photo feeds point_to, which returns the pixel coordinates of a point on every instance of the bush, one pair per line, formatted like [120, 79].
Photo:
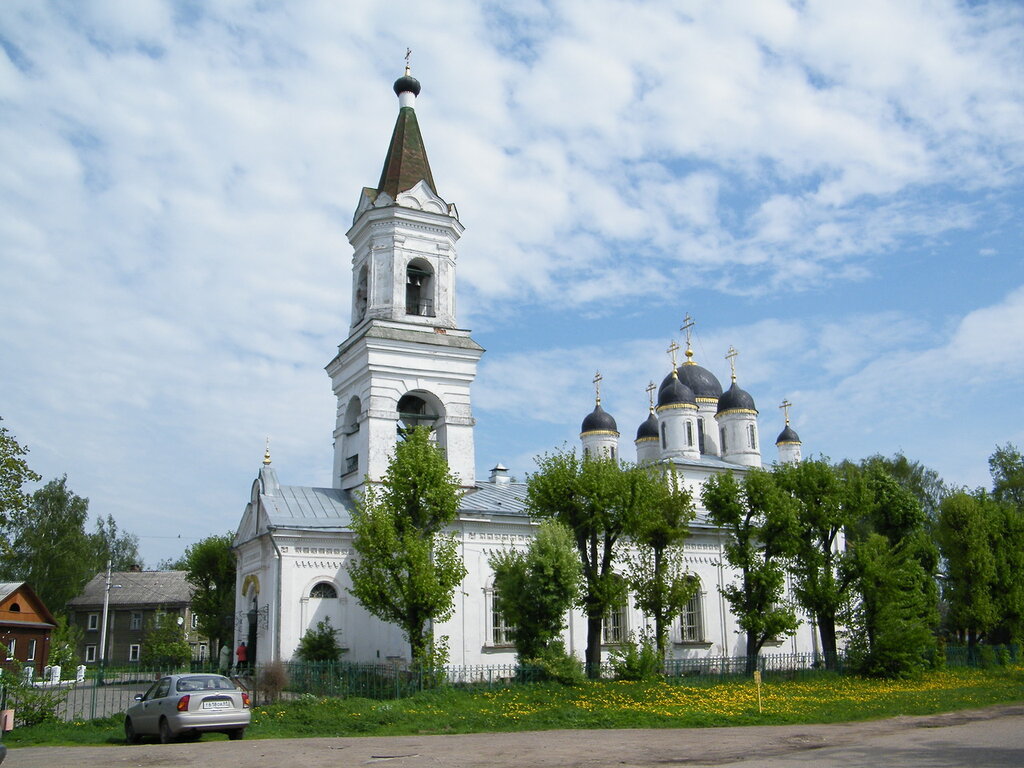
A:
[555, 664]
[33, 706]
[638, 661]
[273, 679]
[319, 644]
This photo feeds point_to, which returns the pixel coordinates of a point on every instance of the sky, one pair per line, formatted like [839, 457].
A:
[834, 189]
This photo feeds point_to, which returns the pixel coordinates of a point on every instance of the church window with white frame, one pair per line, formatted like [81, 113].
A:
[500, 632]
[615, 625]
[752, 437]
[691, 618]
[324, 590]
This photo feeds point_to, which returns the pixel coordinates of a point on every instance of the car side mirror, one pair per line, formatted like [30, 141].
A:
[138, 697]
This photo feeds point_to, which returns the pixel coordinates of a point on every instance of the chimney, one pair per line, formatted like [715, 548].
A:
[500, 475]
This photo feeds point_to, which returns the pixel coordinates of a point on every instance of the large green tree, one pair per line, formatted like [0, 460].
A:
[661, 523]
[210, 568]
[407, 569]
[892, 566]
[965, 532]
[759, 520]
[120, 549]
[1007, 468]
[925, 484]
[593, 499]
[48, 545]
[534, 589]
[823, 507]
[14, 473]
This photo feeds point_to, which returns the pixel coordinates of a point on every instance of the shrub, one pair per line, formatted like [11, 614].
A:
[638, 661]
[273, 679]
[319, 643]
[555, 664]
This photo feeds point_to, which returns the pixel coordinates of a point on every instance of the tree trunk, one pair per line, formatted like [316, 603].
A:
[752, 650]
[827, 632]
[594, 646]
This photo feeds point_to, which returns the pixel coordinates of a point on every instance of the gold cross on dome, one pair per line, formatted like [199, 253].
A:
[672, 349]
[598, 378]
[266, 454]
[687, 328]
[650, 388]
[408, 53]
[786, 405]
[731, 356]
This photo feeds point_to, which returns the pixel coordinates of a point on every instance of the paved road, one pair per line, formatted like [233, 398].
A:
[987, 738]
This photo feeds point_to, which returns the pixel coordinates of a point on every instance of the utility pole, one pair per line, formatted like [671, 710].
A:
[106, 609]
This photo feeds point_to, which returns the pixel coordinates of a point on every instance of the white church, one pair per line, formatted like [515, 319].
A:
[406, 361]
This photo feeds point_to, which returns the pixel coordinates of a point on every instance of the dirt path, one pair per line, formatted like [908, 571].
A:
[762, 746]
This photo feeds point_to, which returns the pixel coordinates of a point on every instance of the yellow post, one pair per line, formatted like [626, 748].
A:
[757, 679]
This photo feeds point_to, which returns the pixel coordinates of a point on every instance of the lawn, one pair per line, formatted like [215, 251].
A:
[822, 699]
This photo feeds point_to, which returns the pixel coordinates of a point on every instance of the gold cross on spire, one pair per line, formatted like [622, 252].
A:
[408, 53]
[687, 328]
[266, 453]
[731, 356]
[672, 349]
[597, 386]
[650, 394]
[786, 405]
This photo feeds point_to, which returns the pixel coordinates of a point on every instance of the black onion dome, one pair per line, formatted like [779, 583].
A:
[788, 435]
[735, 399]
[599, 420]
[674, 393]
[648, 429]
[699, 379]
[407, 83]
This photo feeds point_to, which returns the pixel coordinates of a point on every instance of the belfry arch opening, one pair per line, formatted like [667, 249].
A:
[419, 408]
[419, 289]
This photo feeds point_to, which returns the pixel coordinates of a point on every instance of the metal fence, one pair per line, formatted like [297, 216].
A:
[109, 692]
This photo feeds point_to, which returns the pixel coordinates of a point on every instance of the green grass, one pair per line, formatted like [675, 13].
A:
[822, 699]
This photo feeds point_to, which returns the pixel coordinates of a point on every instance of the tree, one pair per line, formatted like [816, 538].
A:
[892, 565]
[1007, 468]
[592, 498]
[210, 571]
[965, 532]
[925, 484]
[164, 645]
[48, 546]
[319, 643]
[121, 550]
[823, 511]
[14, 473]
[64, 643]
[534, 589]
[760, 521]
[657, 573]
[407, 570]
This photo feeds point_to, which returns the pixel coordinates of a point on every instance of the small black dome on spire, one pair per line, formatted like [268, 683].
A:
[407, 83]
[649, 429]
[788, 435]
[598, 420]
[675, 393]
[736, 399]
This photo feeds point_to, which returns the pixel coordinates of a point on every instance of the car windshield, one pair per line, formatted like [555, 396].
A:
[204, 683]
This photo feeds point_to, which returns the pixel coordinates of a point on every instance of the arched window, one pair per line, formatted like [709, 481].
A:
[501, 632]
[691, 619]
[689, 434]
[722, 435]
[350, 427]
[324, 590]
[414, 411]
[752, 437]
[664, 439]
[16, 607]
[419, 291]
[700, 435]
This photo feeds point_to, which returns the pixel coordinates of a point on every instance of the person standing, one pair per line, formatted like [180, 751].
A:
[243, 657]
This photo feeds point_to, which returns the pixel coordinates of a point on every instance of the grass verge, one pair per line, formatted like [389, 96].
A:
[823, 699]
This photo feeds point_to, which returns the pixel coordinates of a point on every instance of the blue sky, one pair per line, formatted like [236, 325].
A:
[834, 189]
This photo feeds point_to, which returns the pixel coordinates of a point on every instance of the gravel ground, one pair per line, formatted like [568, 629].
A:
[1000, 741]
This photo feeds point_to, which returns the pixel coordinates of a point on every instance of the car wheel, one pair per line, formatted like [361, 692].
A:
[166, 735]
[236, 734]
[130, 735]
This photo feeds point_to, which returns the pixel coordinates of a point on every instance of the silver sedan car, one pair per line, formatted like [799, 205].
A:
[188, 705]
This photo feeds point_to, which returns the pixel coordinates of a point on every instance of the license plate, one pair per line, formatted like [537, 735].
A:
[216, 705]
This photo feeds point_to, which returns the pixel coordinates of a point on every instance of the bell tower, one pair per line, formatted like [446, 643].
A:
[405, 361]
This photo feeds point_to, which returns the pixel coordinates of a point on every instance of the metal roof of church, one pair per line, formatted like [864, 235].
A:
[299, 505]
[495, 498]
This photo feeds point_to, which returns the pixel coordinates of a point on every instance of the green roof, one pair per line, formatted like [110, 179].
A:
[406, 163]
